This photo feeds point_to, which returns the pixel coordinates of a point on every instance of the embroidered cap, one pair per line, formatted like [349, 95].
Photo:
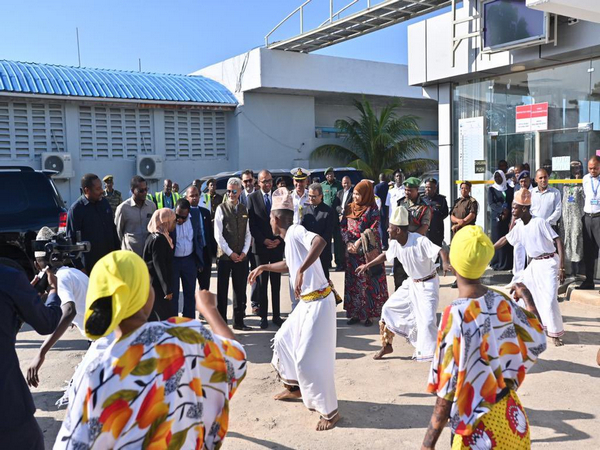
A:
[299, 174]
[523, 197]
[400, 217]
[282, 199]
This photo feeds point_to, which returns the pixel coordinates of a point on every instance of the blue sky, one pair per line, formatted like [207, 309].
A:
[172, 36]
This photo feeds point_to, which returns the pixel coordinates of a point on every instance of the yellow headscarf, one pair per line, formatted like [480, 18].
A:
[124, 276]
[470, 252]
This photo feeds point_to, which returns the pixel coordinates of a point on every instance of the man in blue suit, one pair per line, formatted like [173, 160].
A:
[202, 216]
[188, 244]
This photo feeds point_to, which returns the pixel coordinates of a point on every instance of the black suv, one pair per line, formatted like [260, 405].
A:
[30, 201]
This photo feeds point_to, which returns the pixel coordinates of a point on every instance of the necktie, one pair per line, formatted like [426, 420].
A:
[268, 203]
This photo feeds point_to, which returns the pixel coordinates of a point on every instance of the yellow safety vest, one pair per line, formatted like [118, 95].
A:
[160, 196]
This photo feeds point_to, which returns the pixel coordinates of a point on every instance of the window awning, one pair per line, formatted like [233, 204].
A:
[580, 9]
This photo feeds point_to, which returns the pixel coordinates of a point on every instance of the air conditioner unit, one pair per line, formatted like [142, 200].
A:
[150, 166]
[59, 162]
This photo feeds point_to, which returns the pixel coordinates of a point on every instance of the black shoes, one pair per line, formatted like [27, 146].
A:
[242, 327]
[586, 286]
[368, 323]
[278, 321]
[264, 323]
[352, 321]
[454, 285]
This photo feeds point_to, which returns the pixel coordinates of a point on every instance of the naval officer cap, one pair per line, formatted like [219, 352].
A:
[300, 174]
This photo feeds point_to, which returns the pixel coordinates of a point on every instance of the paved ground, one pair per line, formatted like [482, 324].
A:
[382, 403]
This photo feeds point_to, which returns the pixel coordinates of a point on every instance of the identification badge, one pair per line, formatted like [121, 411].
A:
[594, 202]
[571, 199]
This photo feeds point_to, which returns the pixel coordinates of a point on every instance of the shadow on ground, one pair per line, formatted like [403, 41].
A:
[557, 421]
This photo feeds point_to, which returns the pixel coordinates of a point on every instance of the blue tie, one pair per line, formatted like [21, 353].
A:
[268, 203]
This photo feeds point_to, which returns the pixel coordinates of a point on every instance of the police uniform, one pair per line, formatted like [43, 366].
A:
[114, 198]
[439, 209]
[463, 207]
[330, 191]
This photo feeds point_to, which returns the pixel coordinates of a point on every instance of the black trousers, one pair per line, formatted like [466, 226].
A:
[238, 272]
[254, 300]
[591, 242]
[339, 248]
[399, 274]
[28, 435]
[263, 280]
[204, 276]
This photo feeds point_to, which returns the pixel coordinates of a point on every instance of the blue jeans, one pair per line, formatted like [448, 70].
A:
[184, 270]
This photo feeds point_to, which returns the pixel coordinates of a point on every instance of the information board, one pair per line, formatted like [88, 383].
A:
[470, 150]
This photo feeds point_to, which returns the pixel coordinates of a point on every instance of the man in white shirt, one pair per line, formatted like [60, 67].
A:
[545, 200]
[591, 221]
[411, 310]
[188, 260]
[395, 193]
[232, 233]
[248, 188]
[304, 346]
[299, 194]
[546, 268]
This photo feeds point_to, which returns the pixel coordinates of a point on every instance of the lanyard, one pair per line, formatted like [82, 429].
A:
[595, 191]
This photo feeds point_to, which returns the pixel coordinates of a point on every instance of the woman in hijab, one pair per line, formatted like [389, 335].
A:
[364, 294]
[480, 360]
[159, 384]
[500, 197]
[158, 254]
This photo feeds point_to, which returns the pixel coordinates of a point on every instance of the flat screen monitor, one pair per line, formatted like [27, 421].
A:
[510, 23]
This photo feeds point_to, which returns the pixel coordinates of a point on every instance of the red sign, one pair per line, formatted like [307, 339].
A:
[532, 117]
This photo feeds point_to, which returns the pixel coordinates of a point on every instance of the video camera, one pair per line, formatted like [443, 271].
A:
[61, 250]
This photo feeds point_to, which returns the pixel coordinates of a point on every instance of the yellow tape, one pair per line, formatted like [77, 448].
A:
[567, 181]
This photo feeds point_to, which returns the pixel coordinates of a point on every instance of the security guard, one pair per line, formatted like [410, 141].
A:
[112, 195]
[166, 198]
[439, 208]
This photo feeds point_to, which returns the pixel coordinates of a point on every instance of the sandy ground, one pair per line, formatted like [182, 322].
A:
[383, 404]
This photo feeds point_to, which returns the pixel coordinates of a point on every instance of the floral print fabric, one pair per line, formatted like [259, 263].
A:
[166, 385]
[485, 345]
[365, 294]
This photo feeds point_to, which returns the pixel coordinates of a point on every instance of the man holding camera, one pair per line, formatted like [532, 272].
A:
[19, 302]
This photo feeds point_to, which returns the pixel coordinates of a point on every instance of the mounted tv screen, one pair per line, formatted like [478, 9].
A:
[509, 23]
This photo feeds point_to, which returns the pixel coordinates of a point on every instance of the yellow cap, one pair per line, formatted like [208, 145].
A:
[470, 252]
[123, 276]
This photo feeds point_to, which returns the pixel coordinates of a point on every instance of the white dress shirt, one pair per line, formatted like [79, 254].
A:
[299, 205]
[591, 192]
[394, 194]
[185, 235]
[223, 245]
[345, 198]
[546, 204]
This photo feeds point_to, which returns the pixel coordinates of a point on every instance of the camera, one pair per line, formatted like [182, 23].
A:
[60, 250]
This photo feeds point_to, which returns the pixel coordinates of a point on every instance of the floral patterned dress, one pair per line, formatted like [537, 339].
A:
[485, 347]
[364, 295]
[166, 385]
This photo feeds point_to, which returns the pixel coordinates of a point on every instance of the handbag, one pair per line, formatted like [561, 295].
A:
[370, 249]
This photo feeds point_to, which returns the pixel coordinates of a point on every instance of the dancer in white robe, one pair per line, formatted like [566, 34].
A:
[546, 268]
[304, 346]
[411, 310]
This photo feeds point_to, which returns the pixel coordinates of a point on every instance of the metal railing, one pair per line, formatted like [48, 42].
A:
[300, 9]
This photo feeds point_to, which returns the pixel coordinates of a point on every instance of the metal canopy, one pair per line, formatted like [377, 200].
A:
[333, 31]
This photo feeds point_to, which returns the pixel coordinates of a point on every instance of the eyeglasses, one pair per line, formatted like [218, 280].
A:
[141, 191]
[232, 191]
[248, 181]
[269, 181]
[180, 217]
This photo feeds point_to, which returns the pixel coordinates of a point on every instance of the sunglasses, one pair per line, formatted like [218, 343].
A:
[247, 181]
[232, 191]
[180, 217]
[142, 190]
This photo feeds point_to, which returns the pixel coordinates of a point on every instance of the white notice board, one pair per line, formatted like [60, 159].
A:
[471, 148]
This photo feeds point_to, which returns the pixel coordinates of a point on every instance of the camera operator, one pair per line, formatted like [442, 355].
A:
[72, 285]
[19, 302]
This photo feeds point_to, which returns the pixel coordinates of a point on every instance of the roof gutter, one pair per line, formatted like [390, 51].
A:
[142, 103]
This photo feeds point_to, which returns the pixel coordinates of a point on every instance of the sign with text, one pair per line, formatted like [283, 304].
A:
[531, 117]
[480, 166]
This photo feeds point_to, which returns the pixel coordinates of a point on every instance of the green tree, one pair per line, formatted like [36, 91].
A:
[379, 143]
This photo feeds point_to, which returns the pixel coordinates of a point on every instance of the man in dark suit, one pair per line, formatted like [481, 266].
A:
[188, 245]
[202, 217]
[381, 191]
[267, 247]
[320, 219]
[343, 197]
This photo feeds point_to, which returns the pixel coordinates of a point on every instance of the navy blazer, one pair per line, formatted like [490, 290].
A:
[198, 239]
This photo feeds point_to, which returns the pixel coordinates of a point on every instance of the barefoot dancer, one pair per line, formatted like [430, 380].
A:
[546, 269]
[304, 347]
[410, 311]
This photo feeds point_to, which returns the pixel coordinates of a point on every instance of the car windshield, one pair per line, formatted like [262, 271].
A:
[26, 190]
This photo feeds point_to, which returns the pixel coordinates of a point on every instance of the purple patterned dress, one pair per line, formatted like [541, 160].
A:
[364, 295]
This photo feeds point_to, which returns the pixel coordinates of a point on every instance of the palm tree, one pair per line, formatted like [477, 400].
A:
[379, 144]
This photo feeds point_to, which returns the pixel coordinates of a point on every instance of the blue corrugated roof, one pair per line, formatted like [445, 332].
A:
[34, 78]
